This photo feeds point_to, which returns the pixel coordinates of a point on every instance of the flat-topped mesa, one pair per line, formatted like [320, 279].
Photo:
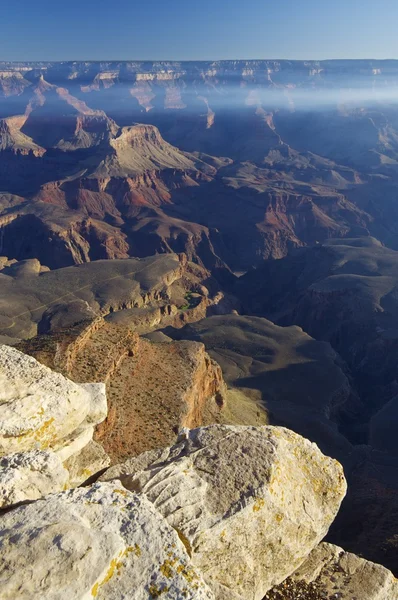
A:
[139, 132]
[139, 149]
[173, 384]
[153, 388]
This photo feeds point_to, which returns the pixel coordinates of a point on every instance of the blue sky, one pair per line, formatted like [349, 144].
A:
[197, 29]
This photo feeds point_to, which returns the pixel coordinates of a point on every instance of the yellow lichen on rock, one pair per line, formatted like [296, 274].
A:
[258, 504]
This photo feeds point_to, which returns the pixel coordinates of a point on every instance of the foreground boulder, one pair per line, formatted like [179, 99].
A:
[250, 503]
[46, 423]
[227, 513]
[98, 542]
[330, 572]
[40, 408]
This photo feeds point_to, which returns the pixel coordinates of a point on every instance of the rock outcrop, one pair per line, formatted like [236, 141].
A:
[330, 572]
[42, 409]
[30, 475]
[142, 195]
[156, 390]
[39, 301]
[84, 465]
[57, 237]
[237, 495]
[45, 420]
[153, 388]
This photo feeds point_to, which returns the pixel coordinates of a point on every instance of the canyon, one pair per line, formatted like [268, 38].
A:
[211, 250]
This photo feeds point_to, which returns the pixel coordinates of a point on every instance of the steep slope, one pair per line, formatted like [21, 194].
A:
[263, 213]
[232, 109]
[124, 184]
[298, 381]
[343, 291]
[12, 138]
[66, 142]
[137, 156]
[141, 148]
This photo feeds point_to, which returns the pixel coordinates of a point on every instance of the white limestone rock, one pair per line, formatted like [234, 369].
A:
[98, 542]
[250, 502]
[330, 572]
[84, 464]
[98, 410]
[41, 409]
[30, 475]
[75, 442]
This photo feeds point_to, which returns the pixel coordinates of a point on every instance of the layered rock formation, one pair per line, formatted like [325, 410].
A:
[147, 149]
[153, 388]
[57, 238]
[44, 301]
[211, 168]
[116, 177]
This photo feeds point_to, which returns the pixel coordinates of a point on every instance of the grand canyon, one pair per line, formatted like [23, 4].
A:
[198, 329]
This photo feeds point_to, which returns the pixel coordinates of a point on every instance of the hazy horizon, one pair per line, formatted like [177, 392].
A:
[211, 59]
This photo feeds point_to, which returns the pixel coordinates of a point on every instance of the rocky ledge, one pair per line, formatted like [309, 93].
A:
[225, 513]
